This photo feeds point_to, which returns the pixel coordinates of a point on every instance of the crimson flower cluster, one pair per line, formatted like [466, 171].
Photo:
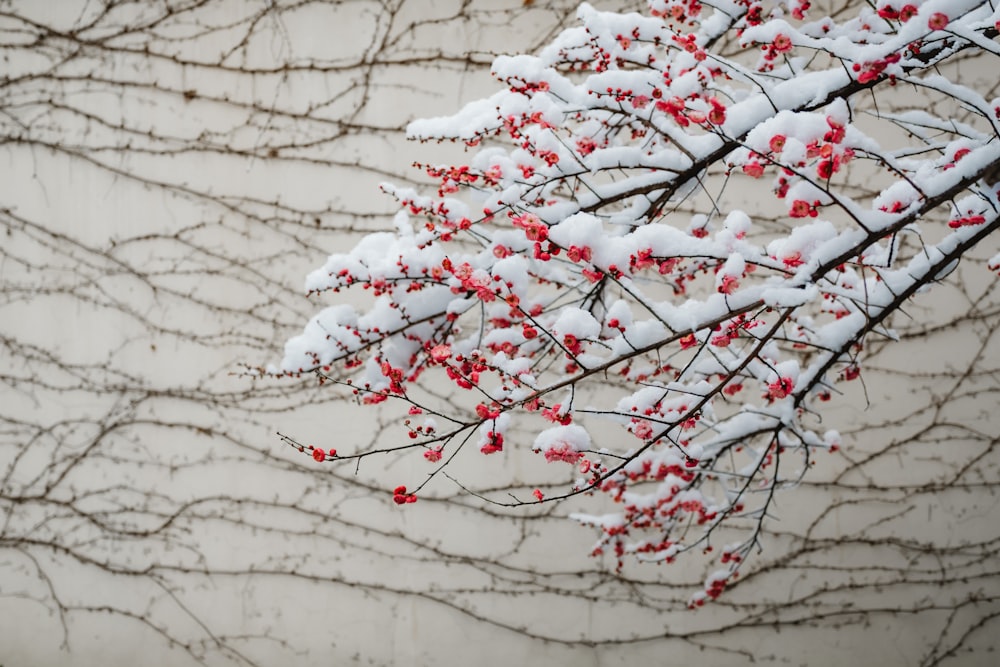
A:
[564, 291]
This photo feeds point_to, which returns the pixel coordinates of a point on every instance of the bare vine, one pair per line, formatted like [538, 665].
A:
[168, 168]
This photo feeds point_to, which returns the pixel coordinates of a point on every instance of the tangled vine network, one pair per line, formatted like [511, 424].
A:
[690, 278]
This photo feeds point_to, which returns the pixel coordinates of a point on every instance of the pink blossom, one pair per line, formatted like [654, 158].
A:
[533, 228]
[642, 429]
[440, 353]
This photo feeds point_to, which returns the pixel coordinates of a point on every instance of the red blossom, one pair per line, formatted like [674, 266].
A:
[753, 169]
[486, 413]
[837, 131]
[550, 157]
[642, 429]
[887, 12]
[967, 221]
[643, 259]
[562, 452]
[721, 340]
[826, 168]
[729, 285]
[802, 209]
[533, 228]
[717, 115]
[907, 12]
[793, 260]
[937, 21]
[557, 414]
[440, 353]
[779, 389]
[493, 444]
[577, 254]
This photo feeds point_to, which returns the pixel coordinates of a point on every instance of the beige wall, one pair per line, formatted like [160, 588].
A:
[163, 193]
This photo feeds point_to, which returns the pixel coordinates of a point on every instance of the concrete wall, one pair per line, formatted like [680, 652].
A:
[167, 178]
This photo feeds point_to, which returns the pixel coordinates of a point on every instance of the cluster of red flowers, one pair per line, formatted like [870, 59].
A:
[530, 253]
[966, 221]
[562, 452]
[401, 497]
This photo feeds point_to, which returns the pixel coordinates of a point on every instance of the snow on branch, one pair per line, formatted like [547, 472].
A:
[672, 241]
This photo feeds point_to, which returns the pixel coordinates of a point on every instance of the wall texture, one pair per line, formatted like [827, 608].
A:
[169, 171]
